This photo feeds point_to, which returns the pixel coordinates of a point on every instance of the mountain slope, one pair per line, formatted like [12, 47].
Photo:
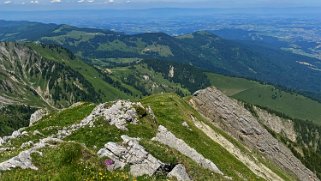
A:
[164, 128]
[26, 74]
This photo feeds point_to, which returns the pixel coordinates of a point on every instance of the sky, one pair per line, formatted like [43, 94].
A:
[88, 4]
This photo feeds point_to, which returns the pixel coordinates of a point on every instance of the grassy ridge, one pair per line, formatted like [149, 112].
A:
[291, 104]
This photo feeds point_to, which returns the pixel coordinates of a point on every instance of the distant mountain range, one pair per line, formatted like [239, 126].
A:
[201, 49]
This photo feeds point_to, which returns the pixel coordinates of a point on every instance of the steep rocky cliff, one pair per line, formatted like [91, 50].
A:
[233, 118]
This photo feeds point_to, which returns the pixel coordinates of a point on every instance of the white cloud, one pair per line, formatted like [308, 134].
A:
[111, 1]
[81, 1]
[7, 2]
[34, 2]
[55, 1]
[90, 1]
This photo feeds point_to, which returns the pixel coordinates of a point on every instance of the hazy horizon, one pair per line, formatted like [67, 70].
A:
[27, 5]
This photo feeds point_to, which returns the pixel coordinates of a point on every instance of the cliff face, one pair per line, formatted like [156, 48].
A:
[233, 118]
[282, 126]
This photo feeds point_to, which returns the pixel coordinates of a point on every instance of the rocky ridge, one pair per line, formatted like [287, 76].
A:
[129, 152]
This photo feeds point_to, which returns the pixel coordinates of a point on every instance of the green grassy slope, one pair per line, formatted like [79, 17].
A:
[107, 91]
[291, 104]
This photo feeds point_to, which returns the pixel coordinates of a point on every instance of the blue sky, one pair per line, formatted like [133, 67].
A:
[74, 4]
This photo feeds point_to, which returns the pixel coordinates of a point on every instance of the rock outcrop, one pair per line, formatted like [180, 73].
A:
[120, 113]
[232, 117]
[15, 134]
[279, 125]
[23, 159]
[132, 153]
[38, 115]
[167, 138]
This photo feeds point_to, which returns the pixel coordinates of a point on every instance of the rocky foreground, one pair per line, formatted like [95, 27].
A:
[160, 138]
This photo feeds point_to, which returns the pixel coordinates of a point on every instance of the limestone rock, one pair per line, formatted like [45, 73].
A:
[167, 138]
[26, 144]
[23, 159]
[36, 132]
[132, 153]
[179, 172]
[120, 113]
[185, 124]
[16, 134]
[171, 72]
[38, 115]
[232, 117]
[277, 124]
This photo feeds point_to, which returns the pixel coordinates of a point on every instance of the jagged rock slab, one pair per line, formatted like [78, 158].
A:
[179, 172]
[251, 162]
[36, 116]
[232, 117]
[132, 153]
[167, 138]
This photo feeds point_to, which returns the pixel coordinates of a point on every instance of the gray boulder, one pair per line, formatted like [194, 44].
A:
[132, 153]
[179, 172]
